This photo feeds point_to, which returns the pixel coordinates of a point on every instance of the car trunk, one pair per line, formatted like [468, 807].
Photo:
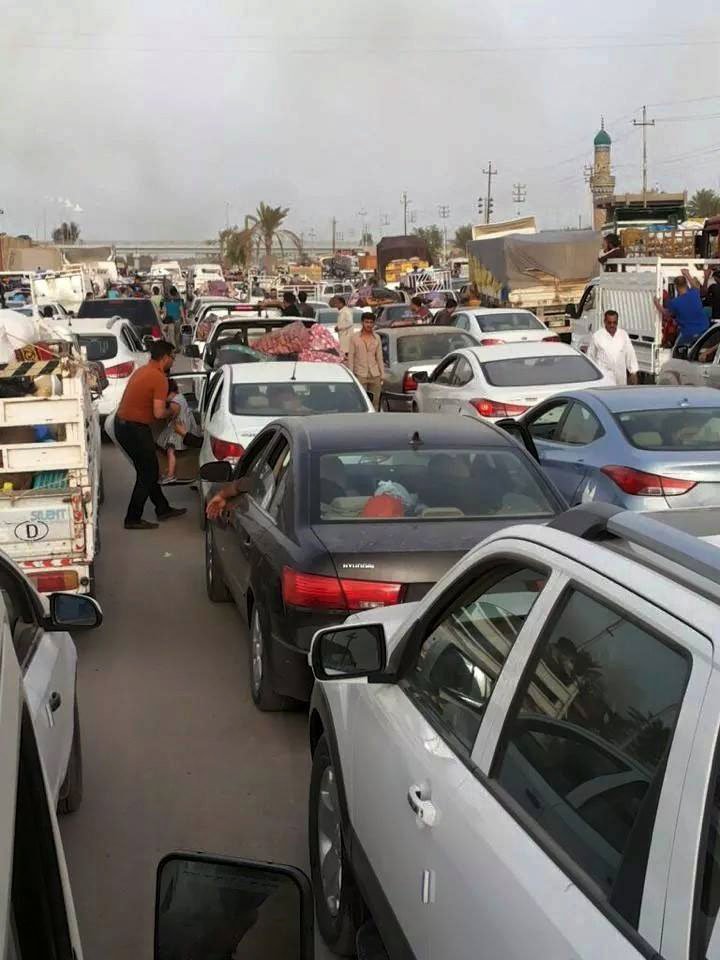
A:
[703, 470]
[414, 554]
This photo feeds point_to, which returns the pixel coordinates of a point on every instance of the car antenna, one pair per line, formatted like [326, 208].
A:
[294, 377]
[415, 440]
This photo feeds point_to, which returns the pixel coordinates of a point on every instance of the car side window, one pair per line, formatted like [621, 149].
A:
[580, 426]
[215, 402]
[444, 372]
[385, 343]
[250, 463]
[210, 385]
[125, 337]
[279, 460]
[588, 300]
[585, 744]
[462, 655]
[706, 349]
[463, 372]
[544, 424]
[460, 320]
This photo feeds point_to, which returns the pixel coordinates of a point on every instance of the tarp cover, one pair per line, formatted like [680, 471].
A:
[399, 248]
[521, 260]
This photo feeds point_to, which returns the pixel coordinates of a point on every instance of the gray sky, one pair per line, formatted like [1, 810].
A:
[151, 116]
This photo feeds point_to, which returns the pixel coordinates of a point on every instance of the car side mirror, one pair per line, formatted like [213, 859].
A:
[680, 352]
[571, 311]
[216, 471]
[421, 376]
[192, 351]
[208, 906]
[354, 650]
[74, 611]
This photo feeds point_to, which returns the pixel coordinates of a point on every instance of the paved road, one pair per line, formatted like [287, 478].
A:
[175, 754]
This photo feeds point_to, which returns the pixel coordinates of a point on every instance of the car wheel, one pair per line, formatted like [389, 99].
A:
[72, 789]
[202, 516]
[338, 905]
[261, 677]
[214, 583]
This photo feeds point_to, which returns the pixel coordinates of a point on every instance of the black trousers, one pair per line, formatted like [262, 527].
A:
[136, 439]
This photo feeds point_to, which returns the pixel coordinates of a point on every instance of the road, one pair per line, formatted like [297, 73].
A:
[175, 754]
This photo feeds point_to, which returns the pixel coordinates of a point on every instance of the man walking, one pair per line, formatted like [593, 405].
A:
[305, 309]
[612, 350]
[444, 317]
[144, 401]
[345, 326]
[365, 358]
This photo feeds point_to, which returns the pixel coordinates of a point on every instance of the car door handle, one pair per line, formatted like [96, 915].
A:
[247, 541]
[54, 701]
[423, 809]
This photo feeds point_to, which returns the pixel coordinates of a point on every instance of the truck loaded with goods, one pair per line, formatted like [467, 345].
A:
[397, 256]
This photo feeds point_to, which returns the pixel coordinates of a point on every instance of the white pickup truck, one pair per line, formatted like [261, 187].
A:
[50, 479]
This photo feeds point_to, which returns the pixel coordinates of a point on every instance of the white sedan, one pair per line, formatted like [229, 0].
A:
[501, 325]
[241, 398]
[504, 381]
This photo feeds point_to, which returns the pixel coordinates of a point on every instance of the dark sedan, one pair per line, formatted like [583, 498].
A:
[348, 512]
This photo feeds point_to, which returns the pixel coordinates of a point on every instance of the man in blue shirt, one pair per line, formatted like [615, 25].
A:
[686, 309]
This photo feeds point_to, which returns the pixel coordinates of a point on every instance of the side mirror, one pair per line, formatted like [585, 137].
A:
[421, 376]
[192, 351]
[216, 471]
[571, 311]
[354, 650]
[209, 906]
[74, 611]
[147, 340]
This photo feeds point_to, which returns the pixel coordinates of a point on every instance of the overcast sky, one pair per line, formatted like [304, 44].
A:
[153, 115]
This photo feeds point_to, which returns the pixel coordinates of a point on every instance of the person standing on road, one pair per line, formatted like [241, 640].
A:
[420, 312]
[305, 309]
[365, 358]
[444, 317]
[687, 309]
[289, 307]
[144, 401]
[611, 349]
[345, 326]
[174, 316]
[157, 301]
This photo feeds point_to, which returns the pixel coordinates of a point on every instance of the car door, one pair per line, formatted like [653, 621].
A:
[436, 389]
[413, 741]
[567, 823]
[543, 424]
[454, 397]
[706, 357]
[568, 458]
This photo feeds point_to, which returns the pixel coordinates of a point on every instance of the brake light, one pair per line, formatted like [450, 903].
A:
[331, 593]
[490, 342]
[55, 581]
[120, 371]
[553, 339]
[640, 484]
[409, 383]
[490, 408]
[225, 450]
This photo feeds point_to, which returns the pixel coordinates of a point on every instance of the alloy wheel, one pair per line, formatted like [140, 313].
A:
[330, 841]
[256, 650]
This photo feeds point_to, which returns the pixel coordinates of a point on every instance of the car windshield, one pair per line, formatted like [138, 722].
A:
[430, 346]
[98, 347]
[493, 323]
[438, 484]
[688, 428]
[295, 399]
[534, 371]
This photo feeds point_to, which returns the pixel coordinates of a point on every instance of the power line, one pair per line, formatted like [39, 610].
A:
[644, 123]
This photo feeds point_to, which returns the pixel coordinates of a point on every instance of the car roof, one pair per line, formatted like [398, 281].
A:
[485, 311]
[516, 351]
[285, 371]
[97, 324]
[626, 399]
[369, 431]
[420, 329]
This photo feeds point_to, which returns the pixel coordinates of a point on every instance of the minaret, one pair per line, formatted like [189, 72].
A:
[602, 182]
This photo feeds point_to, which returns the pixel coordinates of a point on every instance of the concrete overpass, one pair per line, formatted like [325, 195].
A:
[182, 249]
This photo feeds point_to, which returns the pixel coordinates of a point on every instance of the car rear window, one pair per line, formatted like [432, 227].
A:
[139, 312]
[430, 346]
[493, 323]
[685, 428]
[98, 346]
[534, 371]
[438, 484]
[295, 399]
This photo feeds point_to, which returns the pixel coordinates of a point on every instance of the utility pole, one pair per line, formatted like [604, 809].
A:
[227, 214]
[644, 124]
[489, 200]
[519, 194]
[334, 228]
[363, 226]
[444, 212]
[406, 203]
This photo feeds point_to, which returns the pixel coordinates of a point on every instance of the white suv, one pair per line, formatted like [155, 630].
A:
[525, 762]
[117, 346]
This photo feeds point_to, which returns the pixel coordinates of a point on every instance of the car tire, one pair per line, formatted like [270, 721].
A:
[260, 670]
[71, 791]
[215, 586]
[202, 516]
[339, 907]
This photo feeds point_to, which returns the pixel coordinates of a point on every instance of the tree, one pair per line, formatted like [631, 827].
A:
[704, 203]
[267, 225]
[66, 233]
[235, 246]
[433, 237]
[463, 236]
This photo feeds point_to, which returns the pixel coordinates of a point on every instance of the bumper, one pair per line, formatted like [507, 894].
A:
[399, 402]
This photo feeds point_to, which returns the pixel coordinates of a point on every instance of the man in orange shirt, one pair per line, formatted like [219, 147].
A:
[144, 401]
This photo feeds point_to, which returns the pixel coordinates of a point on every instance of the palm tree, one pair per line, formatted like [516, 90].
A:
[463, 236]
[235, 246]
[66, 233]
[267, 225]
[704, 203]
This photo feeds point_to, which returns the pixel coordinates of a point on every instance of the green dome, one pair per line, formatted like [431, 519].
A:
[603, 138]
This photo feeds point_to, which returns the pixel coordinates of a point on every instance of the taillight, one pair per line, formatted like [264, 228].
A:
[54, 581]
[490, 408]
[225, 450]
[331, 593]
[640, 484]
[490, 342]
[553, 339]
[120, 371]
[409, 383]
